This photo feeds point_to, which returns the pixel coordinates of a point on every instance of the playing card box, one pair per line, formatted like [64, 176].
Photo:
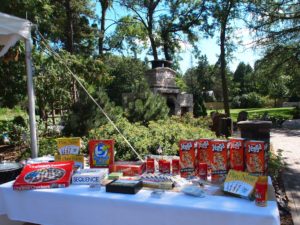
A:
[240, 183]
[68, 146]
[78, 160]
[44, 175]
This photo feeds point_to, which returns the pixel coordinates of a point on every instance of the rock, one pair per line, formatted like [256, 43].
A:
[291, 124]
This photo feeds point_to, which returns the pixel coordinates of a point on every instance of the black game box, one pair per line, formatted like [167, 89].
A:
[124, 186]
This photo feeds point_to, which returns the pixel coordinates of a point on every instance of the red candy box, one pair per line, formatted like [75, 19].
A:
[128, 168]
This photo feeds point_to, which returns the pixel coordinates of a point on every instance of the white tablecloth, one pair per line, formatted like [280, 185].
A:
[81, 205]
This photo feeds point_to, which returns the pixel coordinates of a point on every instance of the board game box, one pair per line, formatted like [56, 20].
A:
[101, 153]
[89, 176]
[45, 175]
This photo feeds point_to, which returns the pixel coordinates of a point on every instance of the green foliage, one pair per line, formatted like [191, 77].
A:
[199, 107]
[276, 163]
[251, 100]
[13, 78]
[243, 77]
[146, 140]
[54, 84]
[85, 115]
[275, 76]
[127, 76]
[47, 146]
[146, 106]
[130, 37]
[65, 23]
[9, 114]
[17, 130]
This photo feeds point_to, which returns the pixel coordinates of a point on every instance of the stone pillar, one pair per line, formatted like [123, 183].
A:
[255, 130]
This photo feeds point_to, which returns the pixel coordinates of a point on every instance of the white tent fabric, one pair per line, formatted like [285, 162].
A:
[12, 29]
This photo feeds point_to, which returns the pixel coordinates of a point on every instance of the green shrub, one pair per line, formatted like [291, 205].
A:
[146, 140]
[276, 163]
[17, 130]
[250, 100]
[47, 146]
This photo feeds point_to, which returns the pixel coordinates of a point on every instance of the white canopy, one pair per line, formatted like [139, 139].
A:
[12, 29]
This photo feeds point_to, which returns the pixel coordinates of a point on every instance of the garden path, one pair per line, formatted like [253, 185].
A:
[288, 142]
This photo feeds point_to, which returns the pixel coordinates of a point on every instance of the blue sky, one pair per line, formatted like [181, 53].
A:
[210, 48]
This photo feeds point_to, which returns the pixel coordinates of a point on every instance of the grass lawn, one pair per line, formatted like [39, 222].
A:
[9, 114]
[286, 113]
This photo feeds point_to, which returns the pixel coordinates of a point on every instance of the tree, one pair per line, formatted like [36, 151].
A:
[145, 12]
[127, 75]
[224, 13]
[53, 81]
[129, 37]
[181, 19]
[78, 36]
[145, 106]
[13, 78]
[85, 115]
[168, 23]
[242, 76]
[277, 27]
[199, 81]
[105, 4]
[275, 76]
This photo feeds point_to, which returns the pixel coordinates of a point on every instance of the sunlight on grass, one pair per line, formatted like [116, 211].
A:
[285, 112]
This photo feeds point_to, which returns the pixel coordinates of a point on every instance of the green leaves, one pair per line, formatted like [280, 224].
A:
[146, 140]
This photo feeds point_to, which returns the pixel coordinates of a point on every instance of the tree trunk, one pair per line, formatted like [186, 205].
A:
[70, 42]
[53, 114]
[69, 28]
[223, 69]
[166, 48]
[150, 32]
[104, 7]
[153, 46]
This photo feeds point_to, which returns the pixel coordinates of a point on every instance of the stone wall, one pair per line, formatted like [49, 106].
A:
[291, 104]
[161, 78]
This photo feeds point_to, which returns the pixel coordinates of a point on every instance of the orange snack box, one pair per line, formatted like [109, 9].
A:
[204, 144]
[255, 157]
[187, 158]
[101, 153]
[236, 153]
[218, 159]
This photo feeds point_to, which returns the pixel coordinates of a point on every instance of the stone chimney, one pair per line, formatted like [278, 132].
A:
[161, 79]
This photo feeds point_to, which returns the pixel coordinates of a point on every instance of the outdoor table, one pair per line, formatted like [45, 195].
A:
[82, 205]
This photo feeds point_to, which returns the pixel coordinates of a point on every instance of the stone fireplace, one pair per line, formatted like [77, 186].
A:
[161, 79]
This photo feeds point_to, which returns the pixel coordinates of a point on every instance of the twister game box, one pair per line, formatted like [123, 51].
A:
[101, 153]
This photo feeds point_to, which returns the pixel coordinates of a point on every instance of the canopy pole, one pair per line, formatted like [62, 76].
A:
[30, 90]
